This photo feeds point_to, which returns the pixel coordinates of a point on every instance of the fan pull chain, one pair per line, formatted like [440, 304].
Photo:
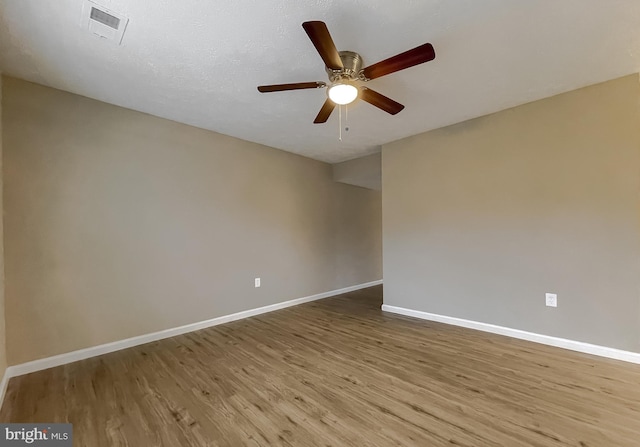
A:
[346, 117]
[340, 122]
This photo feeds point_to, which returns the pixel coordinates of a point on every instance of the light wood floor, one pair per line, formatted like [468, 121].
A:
[337, 372]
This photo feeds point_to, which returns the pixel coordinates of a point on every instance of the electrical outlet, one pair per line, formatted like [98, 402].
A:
[257, 282]
[551, 299]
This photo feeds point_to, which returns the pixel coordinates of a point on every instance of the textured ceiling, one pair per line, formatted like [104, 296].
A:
[199, 62]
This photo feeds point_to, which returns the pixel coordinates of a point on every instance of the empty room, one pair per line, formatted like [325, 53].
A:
[320, 223]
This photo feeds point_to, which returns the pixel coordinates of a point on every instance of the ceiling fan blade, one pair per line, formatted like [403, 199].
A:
[325, 112]
[380, 101]
[321, 39]
[416, 56]
[296, 86]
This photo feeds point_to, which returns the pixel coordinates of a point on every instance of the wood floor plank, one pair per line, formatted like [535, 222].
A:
[337, 372]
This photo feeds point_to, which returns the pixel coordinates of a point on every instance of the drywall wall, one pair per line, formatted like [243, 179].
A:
[359, 238]
[3, 345]
[363, 171]
[119, 224]
[482, 218]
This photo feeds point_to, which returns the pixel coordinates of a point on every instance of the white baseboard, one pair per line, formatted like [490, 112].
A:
[3, 386]
[587, 348]
[74, 356]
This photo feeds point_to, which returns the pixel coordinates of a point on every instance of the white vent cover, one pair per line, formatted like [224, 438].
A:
[103, 22]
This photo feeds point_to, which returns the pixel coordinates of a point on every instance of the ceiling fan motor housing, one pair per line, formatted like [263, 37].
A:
[352, 63]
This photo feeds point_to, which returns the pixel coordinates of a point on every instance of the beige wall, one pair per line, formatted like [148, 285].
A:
[364, 171]
[3, 345]
[482, 218]
[120, 224]
[359, 238]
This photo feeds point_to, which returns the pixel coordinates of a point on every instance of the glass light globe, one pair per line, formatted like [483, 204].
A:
[342, 93]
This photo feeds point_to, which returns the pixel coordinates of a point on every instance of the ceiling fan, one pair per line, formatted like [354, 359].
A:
[345, 70]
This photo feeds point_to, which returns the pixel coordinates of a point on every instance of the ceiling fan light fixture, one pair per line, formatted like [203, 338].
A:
[342, 93]
[344, 69]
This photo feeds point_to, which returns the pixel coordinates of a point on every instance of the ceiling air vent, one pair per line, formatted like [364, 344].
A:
[103, 22]
[104, 18]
